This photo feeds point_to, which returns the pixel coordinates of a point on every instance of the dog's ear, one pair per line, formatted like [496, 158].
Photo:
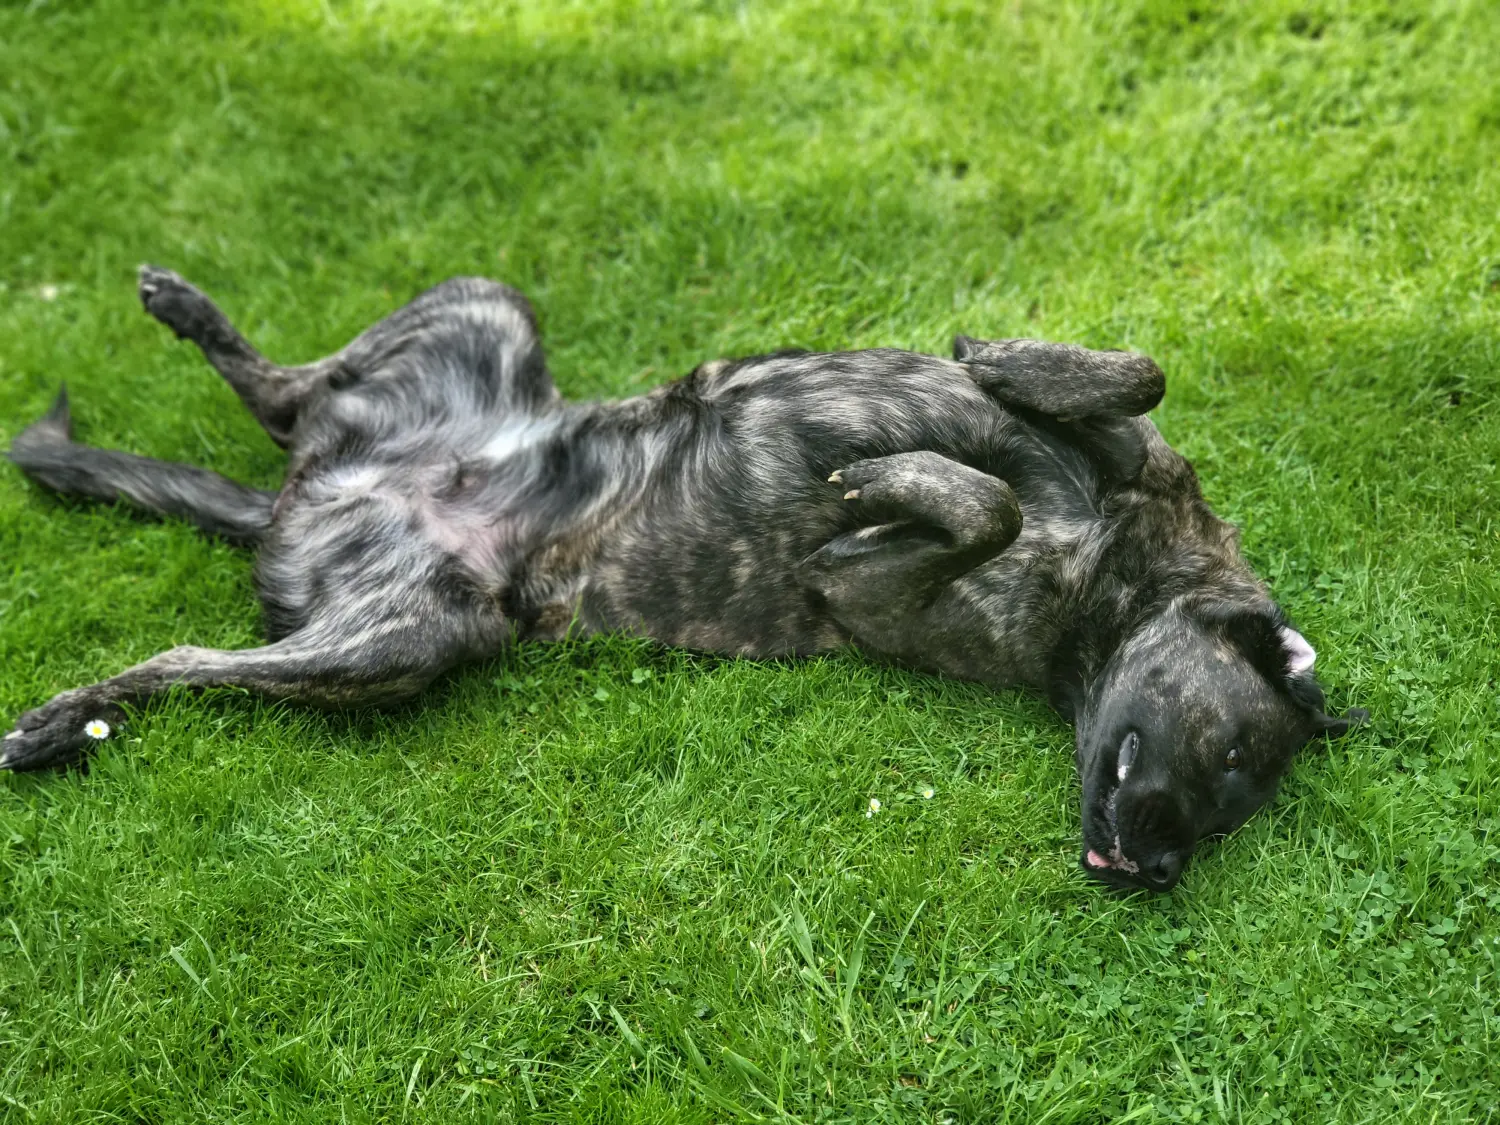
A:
[1337, 728]
[1261, 635]
[1300, 655]
[1282, 655]
[1303, 687]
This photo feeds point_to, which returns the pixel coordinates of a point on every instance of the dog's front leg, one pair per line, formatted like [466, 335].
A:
[332, 664]
[1096, 397]
[929, 520]
[1063, 380]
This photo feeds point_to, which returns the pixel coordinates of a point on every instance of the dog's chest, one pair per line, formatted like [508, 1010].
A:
[459, 490]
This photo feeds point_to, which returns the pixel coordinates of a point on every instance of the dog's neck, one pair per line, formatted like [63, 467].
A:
[1138, 577]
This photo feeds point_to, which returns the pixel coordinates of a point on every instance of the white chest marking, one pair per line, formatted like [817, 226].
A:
[516, 434]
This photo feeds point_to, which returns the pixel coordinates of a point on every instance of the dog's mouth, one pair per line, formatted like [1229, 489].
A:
[1152, 817]
[1114, 859]
[1102, 853]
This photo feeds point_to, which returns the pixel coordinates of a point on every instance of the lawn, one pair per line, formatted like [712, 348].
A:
[605, 882]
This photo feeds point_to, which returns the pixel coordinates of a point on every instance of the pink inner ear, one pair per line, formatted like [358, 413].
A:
[1299, 652]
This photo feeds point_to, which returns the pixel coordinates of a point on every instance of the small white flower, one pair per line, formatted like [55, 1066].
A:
[874, 807]
[49, 293]
[96, 728]
[928, 793]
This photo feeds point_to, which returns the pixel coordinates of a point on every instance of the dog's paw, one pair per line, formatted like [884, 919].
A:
[892, 484]
[855, 479]
[180, 306]
[971, 506]
[154, 282]
[58, 732]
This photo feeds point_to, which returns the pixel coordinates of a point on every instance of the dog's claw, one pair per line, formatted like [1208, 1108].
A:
[174, 302]
[149, 280]
[852, 494]
[836, 477]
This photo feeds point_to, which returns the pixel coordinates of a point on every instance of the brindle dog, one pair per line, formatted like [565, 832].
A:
[1008, 516]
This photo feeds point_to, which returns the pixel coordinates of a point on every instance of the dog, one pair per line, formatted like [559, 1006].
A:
[1008, 516]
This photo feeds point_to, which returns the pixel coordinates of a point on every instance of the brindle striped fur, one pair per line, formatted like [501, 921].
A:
[1007, 516]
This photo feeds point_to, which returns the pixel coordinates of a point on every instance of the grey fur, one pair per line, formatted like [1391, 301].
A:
[1005, 517]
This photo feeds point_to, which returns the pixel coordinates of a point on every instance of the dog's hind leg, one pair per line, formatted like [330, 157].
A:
[46, 452]
[382, 651]
[928, 521]
[274, 394]
[478, 326]
[470, 325]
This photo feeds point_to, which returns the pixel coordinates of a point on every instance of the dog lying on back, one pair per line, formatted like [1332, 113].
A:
[1008, 516]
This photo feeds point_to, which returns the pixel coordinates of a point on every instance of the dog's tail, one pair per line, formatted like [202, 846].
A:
[46, 452]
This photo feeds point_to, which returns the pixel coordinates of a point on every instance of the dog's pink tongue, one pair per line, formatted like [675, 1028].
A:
[1097, 860]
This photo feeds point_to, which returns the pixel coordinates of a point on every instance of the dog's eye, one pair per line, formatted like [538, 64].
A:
[1232, 759]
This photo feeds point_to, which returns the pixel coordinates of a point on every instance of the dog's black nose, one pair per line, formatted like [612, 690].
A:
[1162, 871]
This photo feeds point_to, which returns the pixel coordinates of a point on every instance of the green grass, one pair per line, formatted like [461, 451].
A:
[603, 882]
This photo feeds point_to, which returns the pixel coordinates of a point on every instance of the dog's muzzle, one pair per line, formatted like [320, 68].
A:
[1157, 871]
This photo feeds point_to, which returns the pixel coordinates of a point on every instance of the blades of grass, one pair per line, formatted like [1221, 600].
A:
[811, 970]
[176, 954]
[901, 941]
[1187, 1071]
[694, 1055]
[850, 982]
[411, 1082]
[801, 936]
[747, 1070]
[637, 1047]
[26, 953]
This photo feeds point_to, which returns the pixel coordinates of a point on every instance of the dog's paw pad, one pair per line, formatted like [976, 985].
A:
[174, 302]
[151, 280]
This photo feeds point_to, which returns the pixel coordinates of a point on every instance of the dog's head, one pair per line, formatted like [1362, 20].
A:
[1188, 731]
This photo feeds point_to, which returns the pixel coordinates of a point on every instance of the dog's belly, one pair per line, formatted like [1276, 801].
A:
[462, 498]
[704, 561]
[681, 516]
[707, 556]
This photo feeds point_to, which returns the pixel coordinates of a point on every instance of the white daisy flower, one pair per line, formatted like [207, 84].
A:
[47, 292]
[928, 792]
[874, 807]
[96, 728]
